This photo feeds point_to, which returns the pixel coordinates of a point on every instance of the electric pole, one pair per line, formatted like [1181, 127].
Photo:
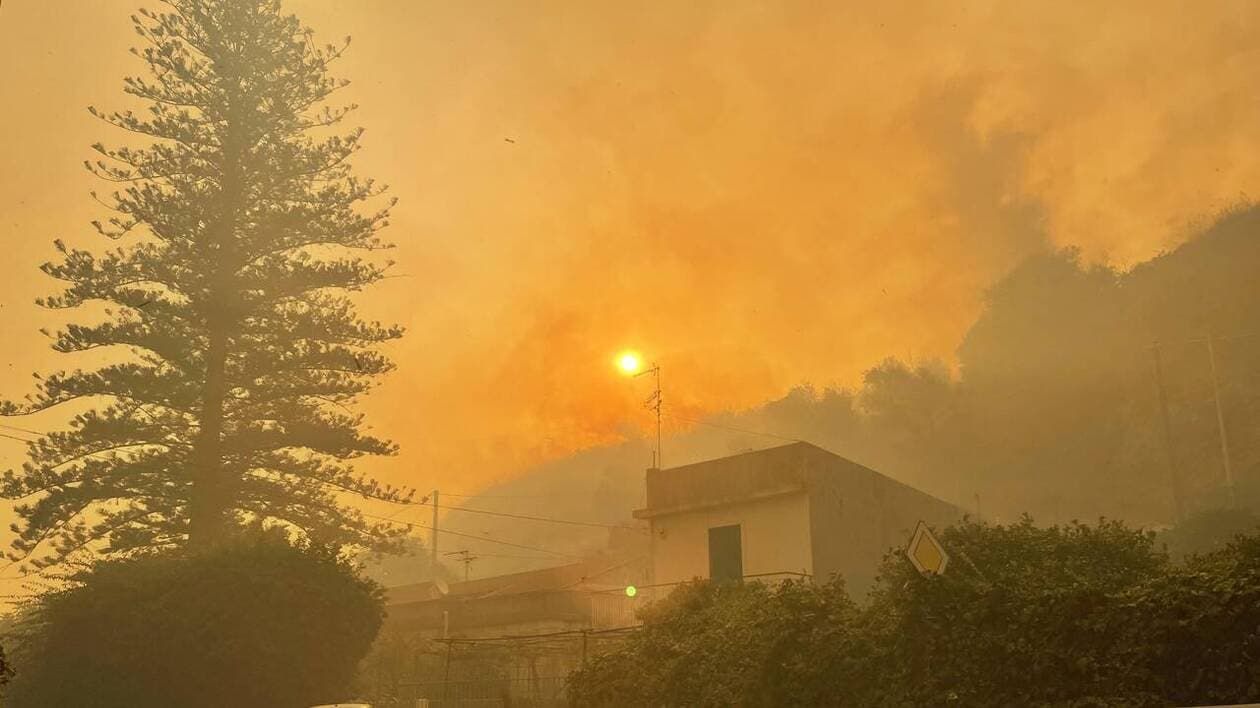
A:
[466, 557]
[1174, 478]
[1220, 422]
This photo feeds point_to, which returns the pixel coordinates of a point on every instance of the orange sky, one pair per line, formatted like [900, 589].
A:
[755, 194]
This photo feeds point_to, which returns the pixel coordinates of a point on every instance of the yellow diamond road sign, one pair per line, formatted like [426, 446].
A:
[925, 552]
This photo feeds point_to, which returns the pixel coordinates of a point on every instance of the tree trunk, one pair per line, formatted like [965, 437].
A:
[209, 500]
[212, 494]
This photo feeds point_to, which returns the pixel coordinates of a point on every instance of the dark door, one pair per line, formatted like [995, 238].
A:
[726, 553]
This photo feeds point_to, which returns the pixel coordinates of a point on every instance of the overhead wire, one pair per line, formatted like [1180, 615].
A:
[526, 517]
[14, 437]
[20, 429]
[730, 428]
[487, 512]
[489, 539]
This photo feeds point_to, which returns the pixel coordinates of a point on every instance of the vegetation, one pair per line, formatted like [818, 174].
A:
[250, 622]
[1052, 407]
[1076, 615]
[6, 671]
[1209, 530]
[229, 351]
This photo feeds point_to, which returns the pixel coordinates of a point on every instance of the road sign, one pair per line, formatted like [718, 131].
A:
[925, 552]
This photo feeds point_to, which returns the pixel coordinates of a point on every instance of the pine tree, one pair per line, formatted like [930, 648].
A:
[241, 229]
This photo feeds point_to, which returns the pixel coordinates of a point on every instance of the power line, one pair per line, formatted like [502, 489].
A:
[528, 517]
[732, 428]
[487, 512]
[466, 557]
[510, 556]
[509, 515]
[489, 539]
[21, 430]
[513, 496]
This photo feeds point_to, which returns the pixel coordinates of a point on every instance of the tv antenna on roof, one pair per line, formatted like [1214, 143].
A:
[631, 364]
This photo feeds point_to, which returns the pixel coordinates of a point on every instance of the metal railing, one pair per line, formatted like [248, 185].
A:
[615, 608]
[531, 670]
[534, 692]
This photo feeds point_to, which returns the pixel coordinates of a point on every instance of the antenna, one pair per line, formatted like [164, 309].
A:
[654, 402]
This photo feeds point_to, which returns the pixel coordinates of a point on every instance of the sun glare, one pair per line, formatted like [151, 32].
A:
[629, 362]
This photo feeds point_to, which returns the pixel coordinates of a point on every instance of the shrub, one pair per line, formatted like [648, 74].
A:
[251, 622]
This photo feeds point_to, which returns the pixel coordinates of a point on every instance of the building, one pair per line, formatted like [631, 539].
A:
[506, 639]
[790, 511]
[795, 511]
[582, 595]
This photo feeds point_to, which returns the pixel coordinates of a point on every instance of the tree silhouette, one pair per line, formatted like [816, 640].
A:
[241, 230]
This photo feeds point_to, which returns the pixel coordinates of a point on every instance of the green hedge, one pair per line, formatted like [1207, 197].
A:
[1077, 615]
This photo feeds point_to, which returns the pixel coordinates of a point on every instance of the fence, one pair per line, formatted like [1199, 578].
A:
[536, 692]
[529, 670]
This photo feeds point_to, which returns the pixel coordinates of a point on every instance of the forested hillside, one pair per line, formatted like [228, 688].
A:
[1051, 408]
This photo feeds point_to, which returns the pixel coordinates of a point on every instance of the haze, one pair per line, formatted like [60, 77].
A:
[754, 195]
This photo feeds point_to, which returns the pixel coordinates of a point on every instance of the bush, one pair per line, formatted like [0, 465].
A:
[1200, 625]
[252, 622]
[1071, 616]
[717, 644]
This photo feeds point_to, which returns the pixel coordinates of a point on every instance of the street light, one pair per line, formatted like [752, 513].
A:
[631, 364]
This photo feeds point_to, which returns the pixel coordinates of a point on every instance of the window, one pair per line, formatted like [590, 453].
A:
[726, 553]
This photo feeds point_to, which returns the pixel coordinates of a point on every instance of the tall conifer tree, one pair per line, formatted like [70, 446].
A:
[240, 229]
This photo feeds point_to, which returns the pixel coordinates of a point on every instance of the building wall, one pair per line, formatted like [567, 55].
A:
[859, 515]
[775, 536]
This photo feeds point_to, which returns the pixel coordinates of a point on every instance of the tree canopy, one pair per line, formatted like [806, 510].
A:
[236, 350]
[252, 621]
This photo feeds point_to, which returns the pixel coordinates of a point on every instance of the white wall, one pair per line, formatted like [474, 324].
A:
[774, 535]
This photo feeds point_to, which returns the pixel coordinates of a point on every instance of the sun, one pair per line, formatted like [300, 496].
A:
[629, 362]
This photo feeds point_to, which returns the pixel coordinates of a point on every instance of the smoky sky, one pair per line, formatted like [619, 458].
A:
[752, 194]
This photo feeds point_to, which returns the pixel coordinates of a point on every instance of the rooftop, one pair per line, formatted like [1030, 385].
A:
[597, 572]
[760, 474]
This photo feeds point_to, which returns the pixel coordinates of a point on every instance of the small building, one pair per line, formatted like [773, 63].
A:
[790, 511]
[583, 595]
[506, 639]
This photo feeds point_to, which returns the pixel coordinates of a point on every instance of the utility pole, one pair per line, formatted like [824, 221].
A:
[466, 557]
[433, 540]
[1174, 478]
[1220, 422]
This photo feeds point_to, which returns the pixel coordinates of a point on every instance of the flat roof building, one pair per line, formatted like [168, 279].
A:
[790, 511]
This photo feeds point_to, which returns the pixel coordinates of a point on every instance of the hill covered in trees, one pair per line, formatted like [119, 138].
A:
[1052, 406]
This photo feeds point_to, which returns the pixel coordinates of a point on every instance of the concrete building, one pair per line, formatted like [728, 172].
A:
[792, 511]
[583, 595]
[507, 639]
[795, 510]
